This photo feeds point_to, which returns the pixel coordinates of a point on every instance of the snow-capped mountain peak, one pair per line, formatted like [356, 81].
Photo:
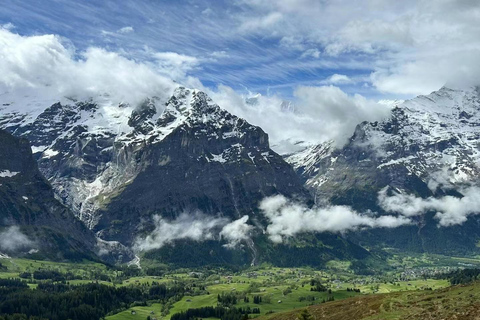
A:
[433, 138]
[92, 151]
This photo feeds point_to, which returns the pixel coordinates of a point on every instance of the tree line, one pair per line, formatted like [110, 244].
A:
[220, 312]
[463, 276]
[58, 301]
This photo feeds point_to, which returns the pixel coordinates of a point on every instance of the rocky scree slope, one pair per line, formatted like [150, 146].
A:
[28, 205]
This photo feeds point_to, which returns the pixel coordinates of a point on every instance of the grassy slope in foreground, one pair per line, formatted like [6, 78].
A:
[457, 302]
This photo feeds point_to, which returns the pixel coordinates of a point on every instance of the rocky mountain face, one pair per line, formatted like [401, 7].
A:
[32, 221]
[429, 146]
[117, 165]
[195, 156]
[432, 141]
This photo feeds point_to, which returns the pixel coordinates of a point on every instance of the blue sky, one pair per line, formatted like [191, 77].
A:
[232, 44]
[333, 59]
[267, 45]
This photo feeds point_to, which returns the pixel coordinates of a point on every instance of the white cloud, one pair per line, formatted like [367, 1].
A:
[46, 64]
[118, 33]
[449, 210]
[335, 114]
[413, 47]
[260, 23]
[320, 114]
[195, 226]
[370, 36]
[207, 12]
[443, 179]
[220, 54]
[313, 53]
[338, 79]
[12, 240]
[236, 232]
[125, 30]
[106, 33]
[405, 204]
[456, 69]
[293, 43]
[175, 65]
[287, 219]
[7, 26]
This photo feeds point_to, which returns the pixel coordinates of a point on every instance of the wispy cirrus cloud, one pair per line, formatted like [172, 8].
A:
[400, 48]
[196, 29]
[411, 47]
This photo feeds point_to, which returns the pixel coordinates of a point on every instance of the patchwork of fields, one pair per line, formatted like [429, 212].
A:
[281, 290]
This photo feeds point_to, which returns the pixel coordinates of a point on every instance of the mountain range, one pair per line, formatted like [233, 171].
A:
[428, 148]
[127, 171]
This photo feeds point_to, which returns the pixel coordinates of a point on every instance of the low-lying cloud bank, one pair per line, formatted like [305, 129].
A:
[449, 210]
[236, 232]
[194, 226]
[13, 240]
[288, 218]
